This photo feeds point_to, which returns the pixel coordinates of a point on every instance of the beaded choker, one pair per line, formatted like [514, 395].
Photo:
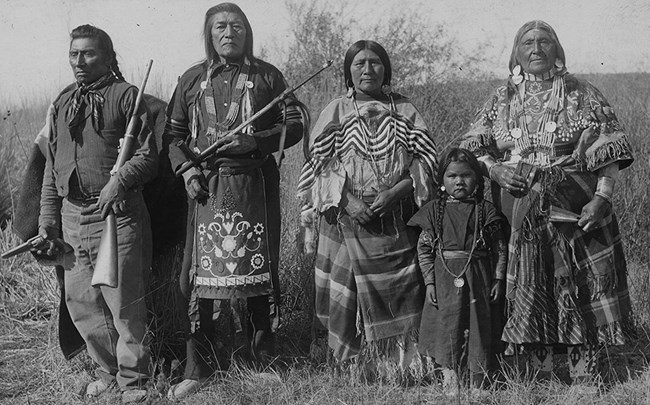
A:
[539, 78]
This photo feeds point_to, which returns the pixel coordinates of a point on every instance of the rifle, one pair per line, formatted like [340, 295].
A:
[195, 160]
[105, 273]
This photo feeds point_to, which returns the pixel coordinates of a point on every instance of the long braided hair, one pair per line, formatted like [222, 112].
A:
[103, 41]
[457, 155]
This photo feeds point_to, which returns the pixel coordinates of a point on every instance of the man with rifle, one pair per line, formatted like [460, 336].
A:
[229, 280]
[80, 189]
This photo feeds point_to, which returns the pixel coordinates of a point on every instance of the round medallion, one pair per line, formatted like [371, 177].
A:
[204, 85]
[459, 282]
[550, 126]
[515, 133]
[517, 79]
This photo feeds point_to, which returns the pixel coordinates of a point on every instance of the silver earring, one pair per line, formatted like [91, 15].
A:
[516, 75]
[351, 91]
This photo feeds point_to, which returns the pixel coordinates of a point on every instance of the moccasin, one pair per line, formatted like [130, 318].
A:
[183, 389]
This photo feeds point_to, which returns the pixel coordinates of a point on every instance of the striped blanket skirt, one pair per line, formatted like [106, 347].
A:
[564, 286]
[369, 291]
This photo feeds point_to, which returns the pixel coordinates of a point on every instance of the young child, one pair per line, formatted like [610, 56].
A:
[463, 253]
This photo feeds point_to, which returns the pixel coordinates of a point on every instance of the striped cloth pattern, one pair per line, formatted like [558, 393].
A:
[343, 136]
[349, 135]
[368, 287]
[564, 286]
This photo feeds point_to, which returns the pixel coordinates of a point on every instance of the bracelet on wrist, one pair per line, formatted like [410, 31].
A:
[603, 196]
[492, 167]
[605, 187]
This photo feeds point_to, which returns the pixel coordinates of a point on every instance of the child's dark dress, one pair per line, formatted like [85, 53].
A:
[442, 331]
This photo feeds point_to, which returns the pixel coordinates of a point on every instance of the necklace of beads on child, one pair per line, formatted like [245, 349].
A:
[459, 282]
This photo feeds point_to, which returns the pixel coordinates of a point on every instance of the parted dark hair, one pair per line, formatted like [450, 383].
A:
[210, 52]
[359, 46]
[459, 155]
[103, 41]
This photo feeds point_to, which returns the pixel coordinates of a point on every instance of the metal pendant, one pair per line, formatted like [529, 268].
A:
[516, 133]
[459, 282]
[550, 126]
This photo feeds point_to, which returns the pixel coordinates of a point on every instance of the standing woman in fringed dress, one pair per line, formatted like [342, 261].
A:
[370, 164]
[553, 148]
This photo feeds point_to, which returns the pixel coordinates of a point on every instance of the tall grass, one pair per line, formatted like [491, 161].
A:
[33, 370]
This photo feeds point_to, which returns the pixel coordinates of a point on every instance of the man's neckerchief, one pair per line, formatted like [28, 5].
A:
[88, 95]
[216, 128]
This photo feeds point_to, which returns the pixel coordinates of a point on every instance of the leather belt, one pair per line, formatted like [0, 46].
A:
[82, 202]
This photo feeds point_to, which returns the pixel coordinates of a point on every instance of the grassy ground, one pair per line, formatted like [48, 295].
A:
[33, 371]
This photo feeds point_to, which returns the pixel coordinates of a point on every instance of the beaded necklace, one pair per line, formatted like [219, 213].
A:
[538, 148]
[383, 176]
[459, 282]
[214, 127]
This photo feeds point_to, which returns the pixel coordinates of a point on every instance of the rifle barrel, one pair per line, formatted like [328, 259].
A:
[210, 150]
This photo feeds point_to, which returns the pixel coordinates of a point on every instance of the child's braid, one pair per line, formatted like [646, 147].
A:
[440, 213]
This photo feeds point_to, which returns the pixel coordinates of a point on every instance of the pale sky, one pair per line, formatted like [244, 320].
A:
[600, 36]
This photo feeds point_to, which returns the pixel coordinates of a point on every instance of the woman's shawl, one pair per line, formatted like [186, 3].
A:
[398, 144]
[604, 144]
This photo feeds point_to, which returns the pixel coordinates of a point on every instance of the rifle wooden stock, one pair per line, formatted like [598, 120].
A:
[105, 272]
[106, 266]
[196, 160]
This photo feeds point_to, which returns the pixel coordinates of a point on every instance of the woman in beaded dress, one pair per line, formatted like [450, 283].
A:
[553, 148]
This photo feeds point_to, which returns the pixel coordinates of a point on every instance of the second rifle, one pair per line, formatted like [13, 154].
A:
[106, 271]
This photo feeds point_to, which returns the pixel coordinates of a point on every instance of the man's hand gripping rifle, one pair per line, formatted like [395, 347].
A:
[195, 160]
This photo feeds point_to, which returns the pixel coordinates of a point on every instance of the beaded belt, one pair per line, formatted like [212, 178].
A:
[558, 150]
[563, 150]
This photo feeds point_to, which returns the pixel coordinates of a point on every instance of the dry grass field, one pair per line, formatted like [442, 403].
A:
[33, 371]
